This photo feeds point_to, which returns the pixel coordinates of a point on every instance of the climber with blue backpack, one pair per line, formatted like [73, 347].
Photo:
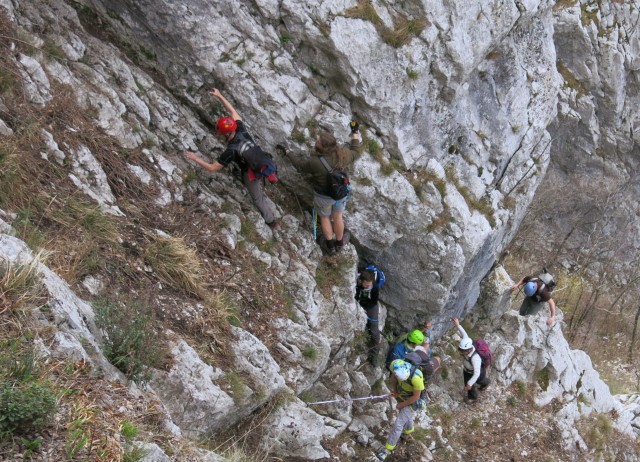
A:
[368, 284]
[255, 164]
[476, 361]
[407, 384]
[537, 294]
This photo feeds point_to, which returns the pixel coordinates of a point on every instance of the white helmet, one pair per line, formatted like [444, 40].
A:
[400, 369]
[466, 344]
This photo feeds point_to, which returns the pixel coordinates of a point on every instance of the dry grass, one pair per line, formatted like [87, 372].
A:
[404, 28]
[20, 284]
[177, 264]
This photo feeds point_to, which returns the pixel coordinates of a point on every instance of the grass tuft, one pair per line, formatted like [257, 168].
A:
[176, 264]
[20, 284]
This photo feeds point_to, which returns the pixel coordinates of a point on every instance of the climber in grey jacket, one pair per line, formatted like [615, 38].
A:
[475, 377]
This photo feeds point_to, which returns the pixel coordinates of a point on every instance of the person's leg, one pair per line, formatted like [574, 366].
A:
[256, 192]
[530, 307]
[405, 415]
[466, 376]
[374, 334]
[323, 208]
[337, 210]
[483, 380]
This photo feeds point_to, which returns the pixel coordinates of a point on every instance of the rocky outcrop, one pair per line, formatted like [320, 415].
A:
[460, 107]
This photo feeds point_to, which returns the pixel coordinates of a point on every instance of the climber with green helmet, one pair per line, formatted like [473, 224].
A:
[233, 131]
[408, 343]
[407, 384]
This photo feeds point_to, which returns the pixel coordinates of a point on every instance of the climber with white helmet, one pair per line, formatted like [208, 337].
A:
[537, 294]
[254, 163]
[407, 384]
[473, 373]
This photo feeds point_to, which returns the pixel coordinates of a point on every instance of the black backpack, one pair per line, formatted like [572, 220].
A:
[339, 186]
[260, 162]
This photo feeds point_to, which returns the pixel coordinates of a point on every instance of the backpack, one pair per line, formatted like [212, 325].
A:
[259, 161]
[398, 351]
[339, 186]
[420, 360]
[380, 278]
[482, 348]
[548, 280]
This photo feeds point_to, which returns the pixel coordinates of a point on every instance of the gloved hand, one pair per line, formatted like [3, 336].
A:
[354, 126]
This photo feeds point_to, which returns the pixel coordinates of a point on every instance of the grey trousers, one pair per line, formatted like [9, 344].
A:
[530, 307]
[403, 424]
[256, 191]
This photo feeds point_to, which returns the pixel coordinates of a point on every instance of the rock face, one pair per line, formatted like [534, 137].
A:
[466, 124]
[461, 107]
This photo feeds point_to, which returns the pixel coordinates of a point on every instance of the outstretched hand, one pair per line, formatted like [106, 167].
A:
[456, 321]
[215, 92]
[191, 155]
[514, 287]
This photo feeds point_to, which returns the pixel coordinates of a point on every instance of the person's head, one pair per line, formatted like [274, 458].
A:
[401, 369]
[466, 345]
[226, 127]
[530, 288]
[326, 143]
[416, 337]
[367, 278]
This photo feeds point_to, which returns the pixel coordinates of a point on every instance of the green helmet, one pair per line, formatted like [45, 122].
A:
[416, 336]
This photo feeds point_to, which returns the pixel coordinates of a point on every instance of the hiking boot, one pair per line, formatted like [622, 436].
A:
[275, 225]
[407, 438]
[382, 454]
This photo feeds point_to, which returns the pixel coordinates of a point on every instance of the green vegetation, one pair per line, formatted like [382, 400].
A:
[53, 50]
[237, 386]
[512, 401]
[284, 39]
[542, 378]
[131, 342]
[27, 402]
[128, 430]
[310, 352]
[7, 82]
[412, 74]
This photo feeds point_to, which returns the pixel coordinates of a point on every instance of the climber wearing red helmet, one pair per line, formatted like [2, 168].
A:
[233, 131]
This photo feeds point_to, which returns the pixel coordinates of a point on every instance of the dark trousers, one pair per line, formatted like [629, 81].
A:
[374, 331]
[483, 381]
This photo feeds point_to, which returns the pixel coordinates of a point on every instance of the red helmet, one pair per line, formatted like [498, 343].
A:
[226, 125]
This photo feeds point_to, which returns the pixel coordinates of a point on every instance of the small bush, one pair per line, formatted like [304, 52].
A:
[310, 352]
[7, 81]
[131, 343]
[512, 401]
[128, 430]
[25, 407]
[412, 74]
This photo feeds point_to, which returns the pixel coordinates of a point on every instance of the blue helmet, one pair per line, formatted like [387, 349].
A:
[530, 288]
[400, 369]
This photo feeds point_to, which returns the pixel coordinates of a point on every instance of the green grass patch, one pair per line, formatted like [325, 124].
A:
[176, 263]
[310, 352]
[131, 342]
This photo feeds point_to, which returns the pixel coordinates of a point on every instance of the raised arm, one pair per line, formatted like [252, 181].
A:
[461, 330]
[227, 105]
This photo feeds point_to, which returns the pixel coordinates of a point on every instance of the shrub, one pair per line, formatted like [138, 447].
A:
[25, 407]
[131, 343]
[310, 352]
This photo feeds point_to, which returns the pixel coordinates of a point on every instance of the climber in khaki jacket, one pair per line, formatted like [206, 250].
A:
[330, 210]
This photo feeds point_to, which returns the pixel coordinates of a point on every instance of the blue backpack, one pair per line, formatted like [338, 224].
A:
[380, 279]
